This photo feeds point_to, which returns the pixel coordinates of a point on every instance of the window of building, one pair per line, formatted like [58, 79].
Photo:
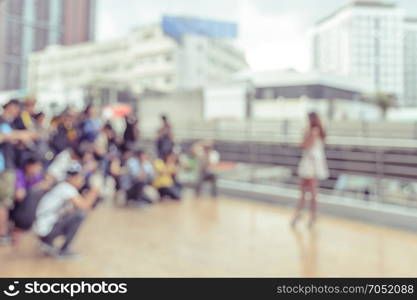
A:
[266, 93]
[12, 76]
[14, 38]
[15, 7]
[41, 39]
[42, 10]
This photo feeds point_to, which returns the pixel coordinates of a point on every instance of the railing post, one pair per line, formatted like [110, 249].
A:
[380, 174]
[415, 130]
[216, 135]
[365, 128]
[252, 150]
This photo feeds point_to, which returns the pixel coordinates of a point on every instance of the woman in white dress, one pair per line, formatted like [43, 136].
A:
[312, 167]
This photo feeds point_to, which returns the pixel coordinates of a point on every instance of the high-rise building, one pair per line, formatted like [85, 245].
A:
[410, 62]
[27, 26]
[364, 39]
[79, 19]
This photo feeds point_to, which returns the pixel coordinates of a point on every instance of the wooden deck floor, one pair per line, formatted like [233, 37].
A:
[223, 237]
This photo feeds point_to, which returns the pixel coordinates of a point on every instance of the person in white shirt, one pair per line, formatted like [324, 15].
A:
[61, 211]
[206, 158]
[59, 166]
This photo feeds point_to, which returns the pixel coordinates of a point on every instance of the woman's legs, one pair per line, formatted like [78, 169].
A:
[310, 186]
[301, 201]
[313, 203]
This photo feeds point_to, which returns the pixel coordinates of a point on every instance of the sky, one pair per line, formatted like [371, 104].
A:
[273, 33]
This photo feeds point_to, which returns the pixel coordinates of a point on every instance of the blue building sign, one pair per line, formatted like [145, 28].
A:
[176, 27]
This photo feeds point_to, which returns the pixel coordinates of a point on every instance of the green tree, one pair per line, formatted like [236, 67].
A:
[383, 100]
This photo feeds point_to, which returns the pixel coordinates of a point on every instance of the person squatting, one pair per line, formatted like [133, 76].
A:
[52, 172]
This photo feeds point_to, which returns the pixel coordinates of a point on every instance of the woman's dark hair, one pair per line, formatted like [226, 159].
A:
[316, 123]
[139, 152]
[39, 115]
[31, 161]
[108, 126]
[88, 109]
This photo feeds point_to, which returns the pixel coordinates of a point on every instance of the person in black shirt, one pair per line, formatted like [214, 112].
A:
[164, 139]
[131, 133]
[25, 121]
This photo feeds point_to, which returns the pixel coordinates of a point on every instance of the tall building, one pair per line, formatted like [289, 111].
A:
[410, 62]
[79, 19]
[175, 54]
[27, 26]
[364, 39]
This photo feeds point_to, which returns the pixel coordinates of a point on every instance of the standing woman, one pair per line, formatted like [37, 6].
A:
[164, 139]
[312, 167]
[131, 133]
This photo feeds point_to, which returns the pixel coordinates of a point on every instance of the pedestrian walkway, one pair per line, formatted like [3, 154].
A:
[224, 237]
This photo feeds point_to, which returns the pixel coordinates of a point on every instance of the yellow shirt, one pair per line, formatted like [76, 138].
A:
[26, 119]
[163, 175]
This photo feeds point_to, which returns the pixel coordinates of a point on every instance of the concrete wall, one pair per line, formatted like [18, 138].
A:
[337, 109]
[181, 108]
[402, 114]
[225, 101]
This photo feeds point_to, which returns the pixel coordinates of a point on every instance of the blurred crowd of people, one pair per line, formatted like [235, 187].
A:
[54, 171]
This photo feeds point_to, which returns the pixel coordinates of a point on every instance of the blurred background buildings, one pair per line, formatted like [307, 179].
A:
[373, 41]
[30, 26]
[362, 82]
[176, 54]
[364, 63]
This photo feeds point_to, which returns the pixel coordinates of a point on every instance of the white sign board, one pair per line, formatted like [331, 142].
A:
[225, 102]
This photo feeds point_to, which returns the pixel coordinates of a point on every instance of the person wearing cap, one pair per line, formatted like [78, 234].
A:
[61, 212]
[8, 139]
[57, 169]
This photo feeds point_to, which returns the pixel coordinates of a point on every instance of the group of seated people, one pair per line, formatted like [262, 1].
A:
[52, 175]
[139, 178]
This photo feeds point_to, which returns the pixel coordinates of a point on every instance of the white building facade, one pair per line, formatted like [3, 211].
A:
[410, 62]
[146, 59]
[289, 95]
[364, 40]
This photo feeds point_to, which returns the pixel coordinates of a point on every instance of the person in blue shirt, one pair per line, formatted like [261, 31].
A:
[141, 174]
[90, 126]
[8, 139]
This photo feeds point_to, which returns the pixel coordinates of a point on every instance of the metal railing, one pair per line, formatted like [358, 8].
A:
[339, 133]
[383, 172]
